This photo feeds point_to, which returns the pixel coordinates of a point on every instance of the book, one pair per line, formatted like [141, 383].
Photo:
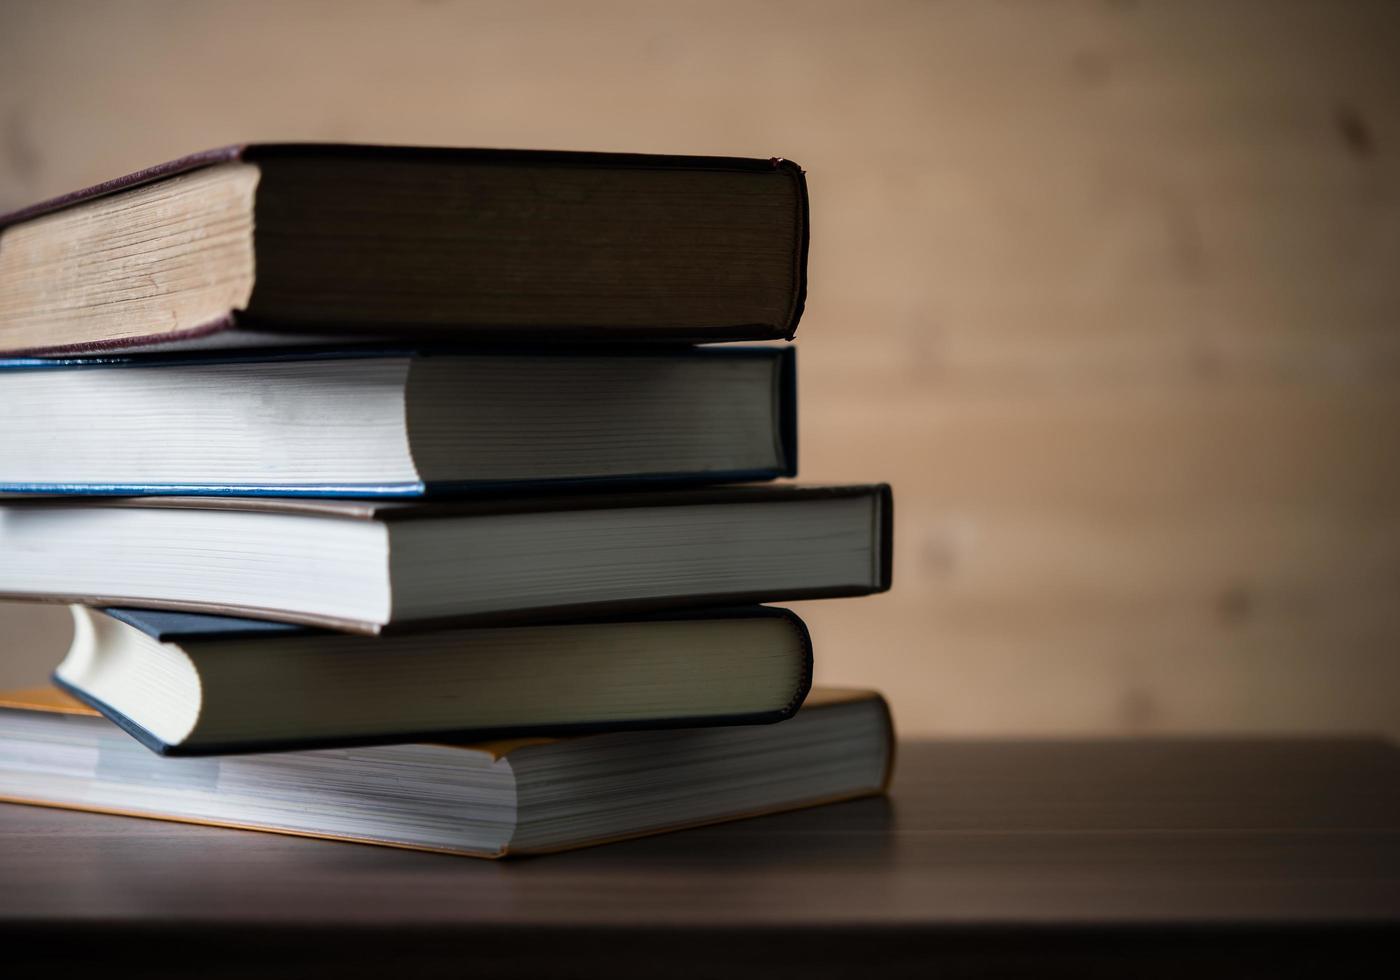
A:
[186, 684]
[274, 242]
[361, 565]
[490, 799]
[384, 423]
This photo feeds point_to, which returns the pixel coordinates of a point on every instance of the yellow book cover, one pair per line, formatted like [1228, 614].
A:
[492, 799]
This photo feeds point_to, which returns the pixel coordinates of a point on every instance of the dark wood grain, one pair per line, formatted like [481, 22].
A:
[1167, 854]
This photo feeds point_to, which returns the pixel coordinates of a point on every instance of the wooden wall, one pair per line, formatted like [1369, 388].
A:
[1110, 291]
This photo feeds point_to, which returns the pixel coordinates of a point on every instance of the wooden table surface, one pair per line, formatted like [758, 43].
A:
[1236, 856]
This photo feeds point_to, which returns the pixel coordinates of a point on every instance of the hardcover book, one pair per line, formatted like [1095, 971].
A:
[381, 423]
[490, 799]
[264, 243]
[185, 684]
[362, 565]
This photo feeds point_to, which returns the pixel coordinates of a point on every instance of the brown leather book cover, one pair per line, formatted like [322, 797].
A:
[554, 325]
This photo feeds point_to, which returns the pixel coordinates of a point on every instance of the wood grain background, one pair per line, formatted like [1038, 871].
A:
[1109, 291]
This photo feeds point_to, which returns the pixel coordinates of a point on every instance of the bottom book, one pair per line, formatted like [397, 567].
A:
[490, 800]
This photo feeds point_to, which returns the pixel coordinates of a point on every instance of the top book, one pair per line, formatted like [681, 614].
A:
[269, 243]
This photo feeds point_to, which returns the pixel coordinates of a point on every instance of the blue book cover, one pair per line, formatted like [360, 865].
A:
[248, 411]
[178, 627]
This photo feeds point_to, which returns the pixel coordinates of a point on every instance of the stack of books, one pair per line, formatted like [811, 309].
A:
[396, 502]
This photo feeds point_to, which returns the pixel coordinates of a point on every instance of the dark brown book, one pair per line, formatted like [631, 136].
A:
[267, 243]
[360, 565]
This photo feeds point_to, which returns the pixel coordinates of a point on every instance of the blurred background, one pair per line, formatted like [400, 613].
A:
[1109, 291]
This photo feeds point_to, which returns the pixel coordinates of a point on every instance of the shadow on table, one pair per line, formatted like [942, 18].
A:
[859, 832]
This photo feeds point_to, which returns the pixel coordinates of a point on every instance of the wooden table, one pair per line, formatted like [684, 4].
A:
[1159, 856]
